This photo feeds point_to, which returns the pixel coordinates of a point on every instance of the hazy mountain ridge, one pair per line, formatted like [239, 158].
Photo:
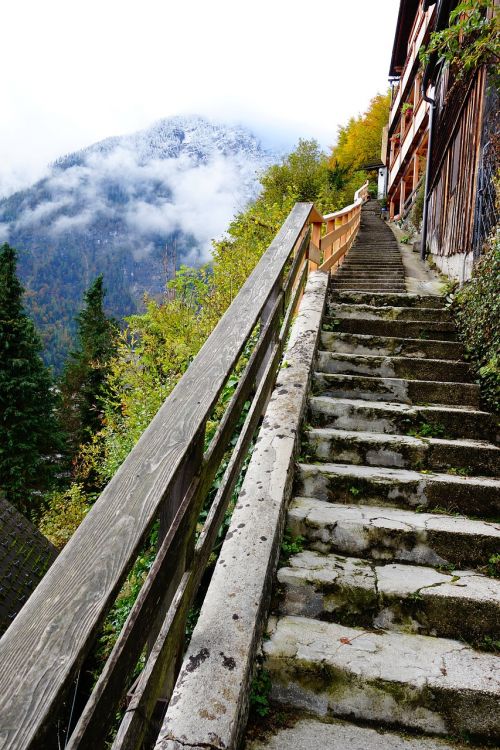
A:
[116, 206]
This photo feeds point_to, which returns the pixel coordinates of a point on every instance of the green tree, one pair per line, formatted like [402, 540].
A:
[83, 383]
[29, 437]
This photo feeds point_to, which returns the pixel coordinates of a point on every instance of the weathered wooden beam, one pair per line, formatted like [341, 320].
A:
[47, 642]
[135, 723]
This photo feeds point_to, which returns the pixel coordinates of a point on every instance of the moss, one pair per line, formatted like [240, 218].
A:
[476, 309]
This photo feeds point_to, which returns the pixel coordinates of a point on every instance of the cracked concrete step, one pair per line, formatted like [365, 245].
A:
[363, 276]
[402, 451]
[373, 264]
[401, 419]
[367, 312]
[357, 343]
[313, 734]
[394, 367]
[435, 685]
[368, 271]
[368, 284]
[385, 533]
[381, 299]
[437, 330]
[461, 604]
[347, 483]
[402, 390]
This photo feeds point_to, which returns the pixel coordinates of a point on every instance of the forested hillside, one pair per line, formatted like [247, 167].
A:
[131, 208]
[156, 347]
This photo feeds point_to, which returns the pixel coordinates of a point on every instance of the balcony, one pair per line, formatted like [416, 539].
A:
[423, 21]
[411, 127]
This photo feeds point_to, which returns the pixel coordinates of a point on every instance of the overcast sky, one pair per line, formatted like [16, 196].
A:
[75, 72]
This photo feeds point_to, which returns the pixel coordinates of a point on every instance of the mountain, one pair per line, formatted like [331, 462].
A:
[130, 207]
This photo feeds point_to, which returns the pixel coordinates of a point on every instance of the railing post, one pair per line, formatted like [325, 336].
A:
[187, 473]
[314, 248]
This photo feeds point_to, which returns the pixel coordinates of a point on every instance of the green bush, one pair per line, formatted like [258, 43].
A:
[477, 313]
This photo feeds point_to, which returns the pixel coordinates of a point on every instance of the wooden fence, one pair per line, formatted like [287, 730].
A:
[166, 477]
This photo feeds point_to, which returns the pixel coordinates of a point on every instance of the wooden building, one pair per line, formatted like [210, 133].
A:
[459, 121]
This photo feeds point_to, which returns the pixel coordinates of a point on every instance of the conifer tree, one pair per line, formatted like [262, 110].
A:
[28, 430]
[84, 378]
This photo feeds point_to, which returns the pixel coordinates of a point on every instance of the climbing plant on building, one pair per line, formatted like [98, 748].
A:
[471, 38]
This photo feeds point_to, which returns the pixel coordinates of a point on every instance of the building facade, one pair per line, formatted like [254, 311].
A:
[442, 134]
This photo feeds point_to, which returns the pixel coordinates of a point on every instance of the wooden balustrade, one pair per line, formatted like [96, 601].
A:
[166, 477]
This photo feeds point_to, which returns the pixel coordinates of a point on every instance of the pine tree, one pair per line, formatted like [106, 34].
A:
[84, 379]
[28, 430]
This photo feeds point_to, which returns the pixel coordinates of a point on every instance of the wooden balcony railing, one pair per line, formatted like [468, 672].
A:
[165, 478]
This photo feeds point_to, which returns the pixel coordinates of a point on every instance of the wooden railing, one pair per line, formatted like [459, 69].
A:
[341, 230]
[165, 478]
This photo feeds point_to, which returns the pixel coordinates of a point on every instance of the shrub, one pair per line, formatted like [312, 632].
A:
[65, 512]
[477, 313]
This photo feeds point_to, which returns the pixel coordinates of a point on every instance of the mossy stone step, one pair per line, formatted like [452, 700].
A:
[477, 457]
[347, 483]
[437, 330]
[435, 685]
[384, 533]
[382, 300]
[394, 367]
[368, 312]
[401, 419]
[358, 343]
[402, 390]
[392, 596]
[329, 734]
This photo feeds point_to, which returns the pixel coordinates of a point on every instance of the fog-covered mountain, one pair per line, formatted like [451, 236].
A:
[127, 207]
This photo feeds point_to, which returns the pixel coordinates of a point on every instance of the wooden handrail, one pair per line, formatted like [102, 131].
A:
[166, 476]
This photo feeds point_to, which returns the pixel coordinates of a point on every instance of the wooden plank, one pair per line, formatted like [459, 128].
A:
[314, 253]
[112, 682]
[344, 248]
[45, 645]
[336, 234]
[135, 722]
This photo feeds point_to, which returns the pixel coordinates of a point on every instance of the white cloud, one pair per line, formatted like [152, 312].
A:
[160, 195]
[42, 211]
[89, 70]
[67, 223]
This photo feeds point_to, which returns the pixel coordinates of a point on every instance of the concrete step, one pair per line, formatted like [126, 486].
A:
[330, 734]
[401, 419]
[368, 288]
[409, 598]
[347, 483]
[382, 300]
[402, 390]
[368, 312]
[367, 275]
[385, 533]
[435, 685]
[374, 264]
[357, 343]
[411, 368]
[477, 457]
[414, 329]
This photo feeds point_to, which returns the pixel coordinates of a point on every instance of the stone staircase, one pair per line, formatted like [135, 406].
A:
[388, 617]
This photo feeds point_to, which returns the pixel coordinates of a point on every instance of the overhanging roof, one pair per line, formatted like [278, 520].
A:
[406, 16]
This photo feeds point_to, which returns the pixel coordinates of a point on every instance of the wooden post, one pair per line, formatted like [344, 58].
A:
[315, 243]
[402, 197]
[170, 506]
[415, 172]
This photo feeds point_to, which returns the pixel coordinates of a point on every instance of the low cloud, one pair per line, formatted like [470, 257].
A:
[149, 193]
